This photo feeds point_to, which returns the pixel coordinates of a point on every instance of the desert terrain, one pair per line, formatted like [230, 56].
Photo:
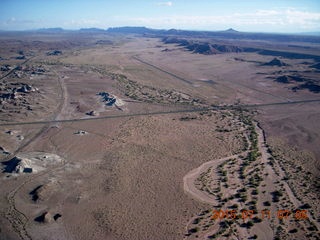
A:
[127, 134]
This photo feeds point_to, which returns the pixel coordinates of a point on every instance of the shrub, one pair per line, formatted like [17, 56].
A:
[255, 192]
[293, 230]
[194, 230]
[266, 203]
[249, 224]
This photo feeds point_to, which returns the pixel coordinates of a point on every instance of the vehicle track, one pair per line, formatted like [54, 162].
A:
[161, 70]
[214, 108]
[189, 82]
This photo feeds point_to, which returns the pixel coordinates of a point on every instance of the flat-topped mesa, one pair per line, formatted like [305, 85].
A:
[205, 48]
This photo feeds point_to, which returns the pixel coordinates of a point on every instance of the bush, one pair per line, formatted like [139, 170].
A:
[305, 206]
[266, 203]
[249, 224]
[293, 230]
[255, 192]
[194, 230]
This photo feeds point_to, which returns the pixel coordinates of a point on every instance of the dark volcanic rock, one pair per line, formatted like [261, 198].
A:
[200, 48]
[172, 40]
[104, 42]
[205, 48]
[316, 66]
[54, 53]
[11, 165]
[107, 98]
[22, 57]
[5, 68]
[290, 79]
[283, 79]
[25, 88]
[227, 48]
[311, 86]
[275, 62]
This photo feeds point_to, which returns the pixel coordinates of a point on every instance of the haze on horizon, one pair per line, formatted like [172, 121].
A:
[284, 16]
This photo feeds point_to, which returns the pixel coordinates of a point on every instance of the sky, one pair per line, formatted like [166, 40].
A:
[286, 16]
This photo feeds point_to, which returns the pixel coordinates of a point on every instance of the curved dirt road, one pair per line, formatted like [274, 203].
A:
[189, 179]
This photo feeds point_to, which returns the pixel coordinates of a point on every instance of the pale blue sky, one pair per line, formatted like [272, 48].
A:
[243, 15]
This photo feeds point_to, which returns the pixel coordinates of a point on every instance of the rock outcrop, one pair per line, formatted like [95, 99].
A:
[275, 62]
[205, 48]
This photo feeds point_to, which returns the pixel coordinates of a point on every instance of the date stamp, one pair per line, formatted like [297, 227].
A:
[282, 214]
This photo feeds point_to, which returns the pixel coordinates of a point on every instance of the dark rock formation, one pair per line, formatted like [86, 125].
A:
[275, 62]
[54, 53]
[107, 98]
[22, 57]
[290, 79]
[44, 218]
[57, 216]
[311, 86]
[35, 193]
[11, 165]
[316, 66]
[92, 113]
[205, 48]
[25, 88]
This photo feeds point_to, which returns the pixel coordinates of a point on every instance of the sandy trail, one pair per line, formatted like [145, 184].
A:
[189, 179]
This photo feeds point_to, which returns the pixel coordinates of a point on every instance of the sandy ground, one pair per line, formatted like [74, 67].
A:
[132, 177]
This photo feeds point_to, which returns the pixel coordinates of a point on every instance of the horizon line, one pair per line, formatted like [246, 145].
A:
[231, 30]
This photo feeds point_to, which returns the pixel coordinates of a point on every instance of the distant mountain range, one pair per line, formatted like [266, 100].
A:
[229, 33]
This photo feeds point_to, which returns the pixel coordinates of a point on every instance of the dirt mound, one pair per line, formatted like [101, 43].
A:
[3, 151]
[45, 217]
[43, 192]
[30, 162]
[36, 193]
[275, 62]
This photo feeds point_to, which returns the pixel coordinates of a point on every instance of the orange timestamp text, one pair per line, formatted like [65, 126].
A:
[283, 214]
